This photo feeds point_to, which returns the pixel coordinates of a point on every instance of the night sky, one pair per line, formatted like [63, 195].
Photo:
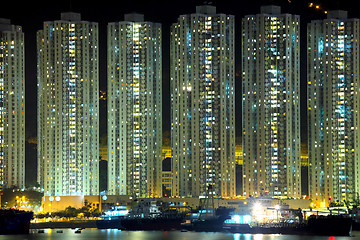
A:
[31, 15]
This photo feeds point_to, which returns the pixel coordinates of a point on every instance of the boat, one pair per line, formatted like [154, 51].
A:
[209, 222]
[149, 214]
[238, 223]
[152, 224]
[13, 221]
[330, 225]
[146, 214]
[111, 219]
[208, 219]
[208, 225]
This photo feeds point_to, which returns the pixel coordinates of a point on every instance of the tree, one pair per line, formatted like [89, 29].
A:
[95, 212]
[71, 212]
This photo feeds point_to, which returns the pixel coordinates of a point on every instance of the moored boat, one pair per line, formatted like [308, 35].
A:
[112, 218]
[331, 225]
[152, 224]
[208, 219]
[334, 225]
[145, 215]
[152, 215]
[13, 221]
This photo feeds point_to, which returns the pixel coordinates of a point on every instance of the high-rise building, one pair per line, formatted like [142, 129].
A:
[333, 108]
[271, 106]
[12, 105]
[68, 106]
[202, 83]
[134, 107]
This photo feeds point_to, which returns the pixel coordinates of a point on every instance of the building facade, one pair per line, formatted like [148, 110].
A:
[333, 108]
[134, 107]
[270, 104]
[202, 82]
[12, 105]
[68, 106]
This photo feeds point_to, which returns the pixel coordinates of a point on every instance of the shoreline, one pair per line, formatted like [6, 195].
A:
[83, 224]
[64, 224]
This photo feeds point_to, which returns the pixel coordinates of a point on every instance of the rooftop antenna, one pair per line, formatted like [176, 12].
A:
[70, 6]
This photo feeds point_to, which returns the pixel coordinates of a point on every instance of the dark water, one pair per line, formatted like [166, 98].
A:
[90, 234]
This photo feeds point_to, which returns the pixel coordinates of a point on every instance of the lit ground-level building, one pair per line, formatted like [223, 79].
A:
[105, 202]
[202, 83]
[12, 105]
[68, 102]
[271, 104]
[333, 108]
[134, 107]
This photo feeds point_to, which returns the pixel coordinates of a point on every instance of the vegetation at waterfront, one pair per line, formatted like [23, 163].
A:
[71, 212]
[18, 198]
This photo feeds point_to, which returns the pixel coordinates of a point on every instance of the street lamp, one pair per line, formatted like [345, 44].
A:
[51, 199]
[16, 201]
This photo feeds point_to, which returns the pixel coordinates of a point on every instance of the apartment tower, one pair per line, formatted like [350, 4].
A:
[68, 102]
[333, 108]
[12, 105]
[271, 104]
[202, 83]
[134, 107]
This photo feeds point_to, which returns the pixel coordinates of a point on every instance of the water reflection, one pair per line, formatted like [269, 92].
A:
[114, 234]
[258, 237]
[238, 236]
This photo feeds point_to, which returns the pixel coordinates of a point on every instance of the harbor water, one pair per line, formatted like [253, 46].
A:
[112, 234]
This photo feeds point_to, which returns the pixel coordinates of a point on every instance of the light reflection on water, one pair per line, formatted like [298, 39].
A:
[112, 234]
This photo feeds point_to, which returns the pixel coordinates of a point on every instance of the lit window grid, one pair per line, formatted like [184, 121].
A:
[135, 160]
[264, 105]
[194, 121]
[77, 127]
[12, 108]
[333, 163]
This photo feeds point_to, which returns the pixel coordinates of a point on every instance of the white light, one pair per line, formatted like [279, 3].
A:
[257, 206]
[247, 219]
